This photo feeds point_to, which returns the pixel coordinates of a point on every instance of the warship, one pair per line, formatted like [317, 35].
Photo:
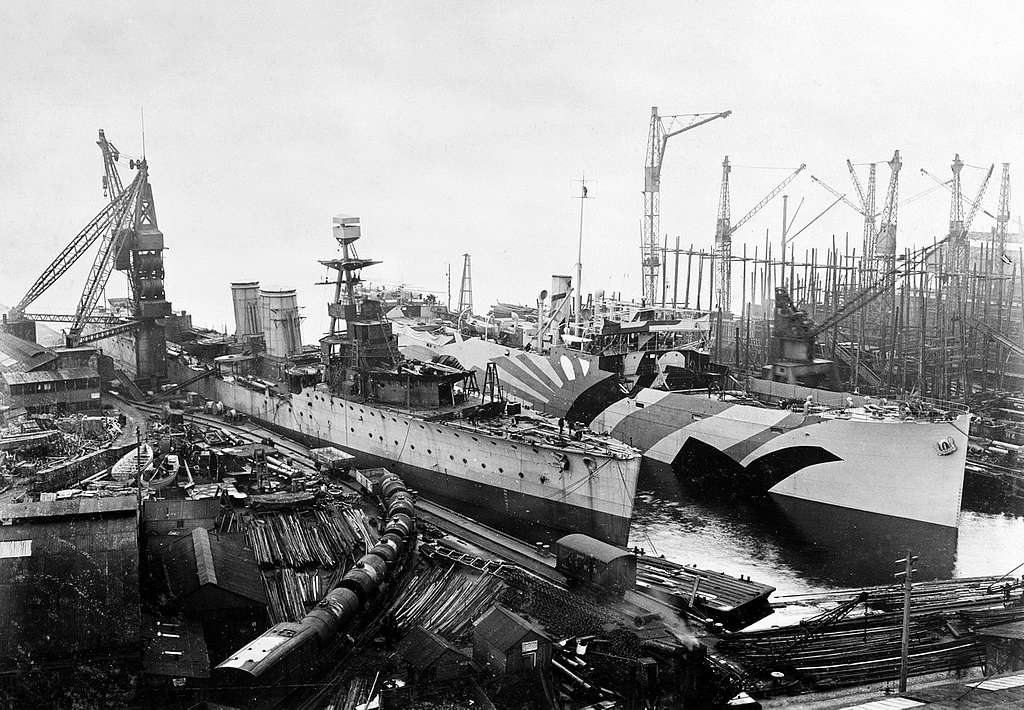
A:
[430, 422]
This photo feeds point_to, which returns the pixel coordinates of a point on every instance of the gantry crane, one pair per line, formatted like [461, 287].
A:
[661, 129]
[130, 241]
[724, 229]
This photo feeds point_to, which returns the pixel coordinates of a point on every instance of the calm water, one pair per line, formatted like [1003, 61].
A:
[802, 547]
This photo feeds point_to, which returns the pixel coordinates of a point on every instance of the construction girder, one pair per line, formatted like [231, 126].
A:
[70, 318]
[108, 333]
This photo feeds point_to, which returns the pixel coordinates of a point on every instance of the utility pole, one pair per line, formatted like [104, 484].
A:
[449, 304]
[578, 286]
[906, 573]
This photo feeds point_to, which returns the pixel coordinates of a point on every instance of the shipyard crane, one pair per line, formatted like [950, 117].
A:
[661, 129]
[958, 256]
[130, 241]
[1003, 215]
[948, 184]
[884, 246]
[724, 229]
[874, 236]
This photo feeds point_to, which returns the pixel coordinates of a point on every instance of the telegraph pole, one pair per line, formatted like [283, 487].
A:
[906, 573]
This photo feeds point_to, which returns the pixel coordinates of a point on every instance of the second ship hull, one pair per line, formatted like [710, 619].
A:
[891, 468]
[494, 478]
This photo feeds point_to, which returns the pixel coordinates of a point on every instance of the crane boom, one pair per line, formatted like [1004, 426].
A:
[837, 194]
[946, 184]
[856, 185]
[103, 262]
[73, 251]
[767, 198]
[111, 180]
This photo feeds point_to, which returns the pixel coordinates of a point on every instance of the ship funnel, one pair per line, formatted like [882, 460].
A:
[280, 321]
[245, 297]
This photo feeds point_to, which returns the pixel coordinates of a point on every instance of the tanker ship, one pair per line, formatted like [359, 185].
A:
[431, 423]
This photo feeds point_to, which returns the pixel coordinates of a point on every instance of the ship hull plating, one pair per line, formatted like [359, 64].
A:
[501, 480]
[891, 468]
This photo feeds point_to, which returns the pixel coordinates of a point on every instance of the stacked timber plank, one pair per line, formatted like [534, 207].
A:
[303, 553]
[446, 599]
[866, 648]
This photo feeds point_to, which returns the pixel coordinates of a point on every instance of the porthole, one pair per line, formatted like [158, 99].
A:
[456, 436]
[474, 438]
[520, 474]
[396, 442]
[393, 419]
[483, 465]
[465, 461]
[501, 470]
[412, 446]
[429, 451]
[351, 428]
[421, 426]
[535, 451]
[451, 457]
[371, 434]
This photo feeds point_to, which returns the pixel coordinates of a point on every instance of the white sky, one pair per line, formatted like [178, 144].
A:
[454, 127]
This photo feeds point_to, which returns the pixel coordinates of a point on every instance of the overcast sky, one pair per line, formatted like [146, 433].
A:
[461, 127]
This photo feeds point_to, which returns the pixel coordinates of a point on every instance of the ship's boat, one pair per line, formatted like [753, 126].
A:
[129, 465]
[162, 475]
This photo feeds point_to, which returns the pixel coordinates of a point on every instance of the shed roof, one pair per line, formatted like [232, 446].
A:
[60, 375]
[196, 560]
[601, 551]
[421, 648]
[114, 505]
[17, 355]
[504, 628]
[69, 584]
[1012, 630]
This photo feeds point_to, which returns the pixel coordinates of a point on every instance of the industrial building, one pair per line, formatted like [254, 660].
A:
[39, 380]
[507, 643]
[69, 582]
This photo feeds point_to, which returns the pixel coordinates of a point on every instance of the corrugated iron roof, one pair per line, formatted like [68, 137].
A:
[198, 559]
[504, 628]
[17, 355]
[61, 375]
